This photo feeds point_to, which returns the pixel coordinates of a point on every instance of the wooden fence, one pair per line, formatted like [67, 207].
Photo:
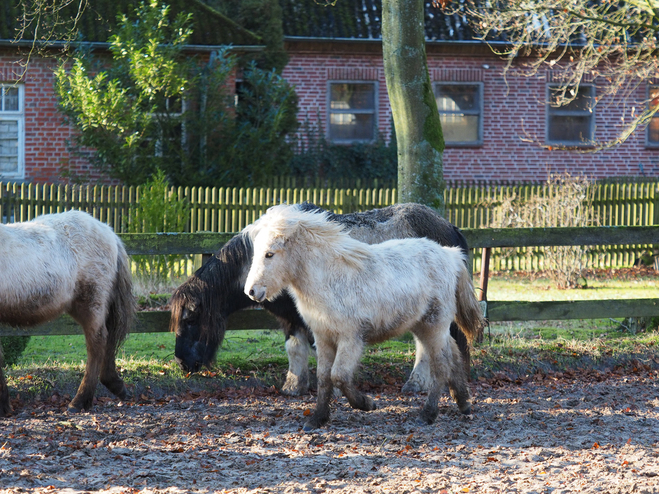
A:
[230, 209]
[202, 243]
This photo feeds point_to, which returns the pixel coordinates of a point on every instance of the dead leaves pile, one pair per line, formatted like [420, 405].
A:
[561, 432]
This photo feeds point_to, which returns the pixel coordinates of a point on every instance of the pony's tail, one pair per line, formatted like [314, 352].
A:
[121, 312]
[469, 315]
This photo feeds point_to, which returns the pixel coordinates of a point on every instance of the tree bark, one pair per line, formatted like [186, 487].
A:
[416, 119]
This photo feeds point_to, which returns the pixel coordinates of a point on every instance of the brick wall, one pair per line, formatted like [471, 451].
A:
[46, 136]
[48, 157]
[514, 114]
[514, 117]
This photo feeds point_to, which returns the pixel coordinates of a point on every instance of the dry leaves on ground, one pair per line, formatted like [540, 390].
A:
[594, 432]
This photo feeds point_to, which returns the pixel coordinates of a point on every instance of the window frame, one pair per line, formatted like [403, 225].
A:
[19, 117]
[158, 141]
[559, 111]
[648, 142]
[374, 111]
[479, 112]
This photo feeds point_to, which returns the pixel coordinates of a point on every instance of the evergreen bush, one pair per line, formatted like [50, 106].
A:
[12, 348]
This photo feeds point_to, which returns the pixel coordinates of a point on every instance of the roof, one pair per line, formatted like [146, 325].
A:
[362, 19]
[100, 17]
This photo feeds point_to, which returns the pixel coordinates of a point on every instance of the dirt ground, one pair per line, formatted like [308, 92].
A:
[594, 432]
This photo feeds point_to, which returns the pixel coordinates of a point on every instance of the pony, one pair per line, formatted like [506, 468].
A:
[352, 294]
[69, 263]
[201, 305]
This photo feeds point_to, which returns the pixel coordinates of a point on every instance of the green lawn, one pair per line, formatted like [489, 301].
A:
[518, 349]
[623, 284]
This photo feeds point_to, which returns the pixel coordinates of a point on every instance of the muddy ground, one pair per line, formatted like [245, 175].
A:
[590, 432]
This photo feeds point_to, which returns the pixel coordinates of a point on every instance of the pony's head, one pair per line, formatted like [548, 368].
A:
[200, 306]
[285, 239]
[268, 274]
[196, 325]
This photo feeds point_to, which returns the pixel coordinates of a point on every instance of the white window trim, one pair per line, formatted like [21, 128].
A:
[18, 116]
[479, 112]
[648, 142]
[374, 111]
[561, 112]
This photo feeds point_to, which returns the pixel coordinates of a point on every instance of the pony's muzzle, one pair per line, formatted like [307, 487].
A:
[256, 293]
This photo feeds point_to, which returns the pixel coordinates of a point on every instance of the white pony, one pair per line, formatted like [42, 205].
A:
[68, 262]
[352, 294]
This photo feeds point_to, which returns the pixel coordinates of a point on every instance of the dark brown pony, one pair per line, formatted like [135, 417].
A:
[68, 263]
[200, 306]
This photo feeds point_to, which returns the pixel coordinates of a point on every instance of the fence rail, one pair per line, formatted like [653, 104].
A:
[148, 322]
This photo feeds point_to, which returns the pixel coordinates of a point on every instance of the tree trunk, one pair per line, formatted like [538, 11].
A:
[416, 119]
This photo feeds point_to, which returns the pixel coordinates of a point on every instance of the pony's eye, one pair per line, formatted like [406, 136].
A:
[268, 255]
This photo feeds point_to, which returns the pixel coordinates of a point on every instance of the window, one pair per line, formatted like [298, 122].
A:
[652, 136]
[571, 124]
[11, 131]
[169, 129]
[352, 111]
[460, 110]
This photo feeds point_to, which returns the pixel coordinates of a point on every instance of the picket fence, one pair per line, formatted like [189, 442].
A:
[227, 210]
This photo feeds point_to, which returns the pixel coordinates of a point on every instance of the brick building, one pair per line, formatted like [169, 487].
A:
[34, 141]
[496, 128]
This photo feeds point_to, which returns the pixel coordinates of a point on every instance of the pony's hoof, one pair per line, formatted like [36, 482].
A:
[77, 407]
[308, 427]
[369, 405]
[124, 394]
[466, 411]
[294, 391]
[314, 422]
[414, 387]
[428, 418]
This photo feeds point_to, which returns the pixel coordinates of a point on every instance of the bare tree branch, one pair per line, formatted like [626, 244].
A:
[613, 44]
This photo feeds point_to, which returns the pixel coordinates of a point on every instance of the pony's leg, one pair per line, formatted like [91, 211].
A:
[447, 367]
[347, 359]
[92, 320]
[85, 395]
[110, 375]
[457, 379]
[297, 378]
[326, 352]
[437, 342]
[463, 346]
[420, 379]
[5, 406]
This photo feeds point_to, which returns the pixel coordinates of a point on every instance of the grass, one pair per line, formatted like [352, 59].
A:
[52, 365]
[601, 285]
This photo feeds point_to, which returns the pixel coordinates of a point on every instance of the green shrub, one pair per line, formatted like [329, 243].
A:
[158, 210]
[13, 347]
[153, 106]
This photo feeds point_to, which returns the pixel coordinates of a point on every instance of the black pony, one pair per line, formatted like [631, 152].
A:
[200, 306]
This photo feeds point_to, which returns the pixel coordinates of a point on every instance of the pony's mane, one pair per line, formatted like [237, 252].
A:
[316, 227]
[209, 287]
